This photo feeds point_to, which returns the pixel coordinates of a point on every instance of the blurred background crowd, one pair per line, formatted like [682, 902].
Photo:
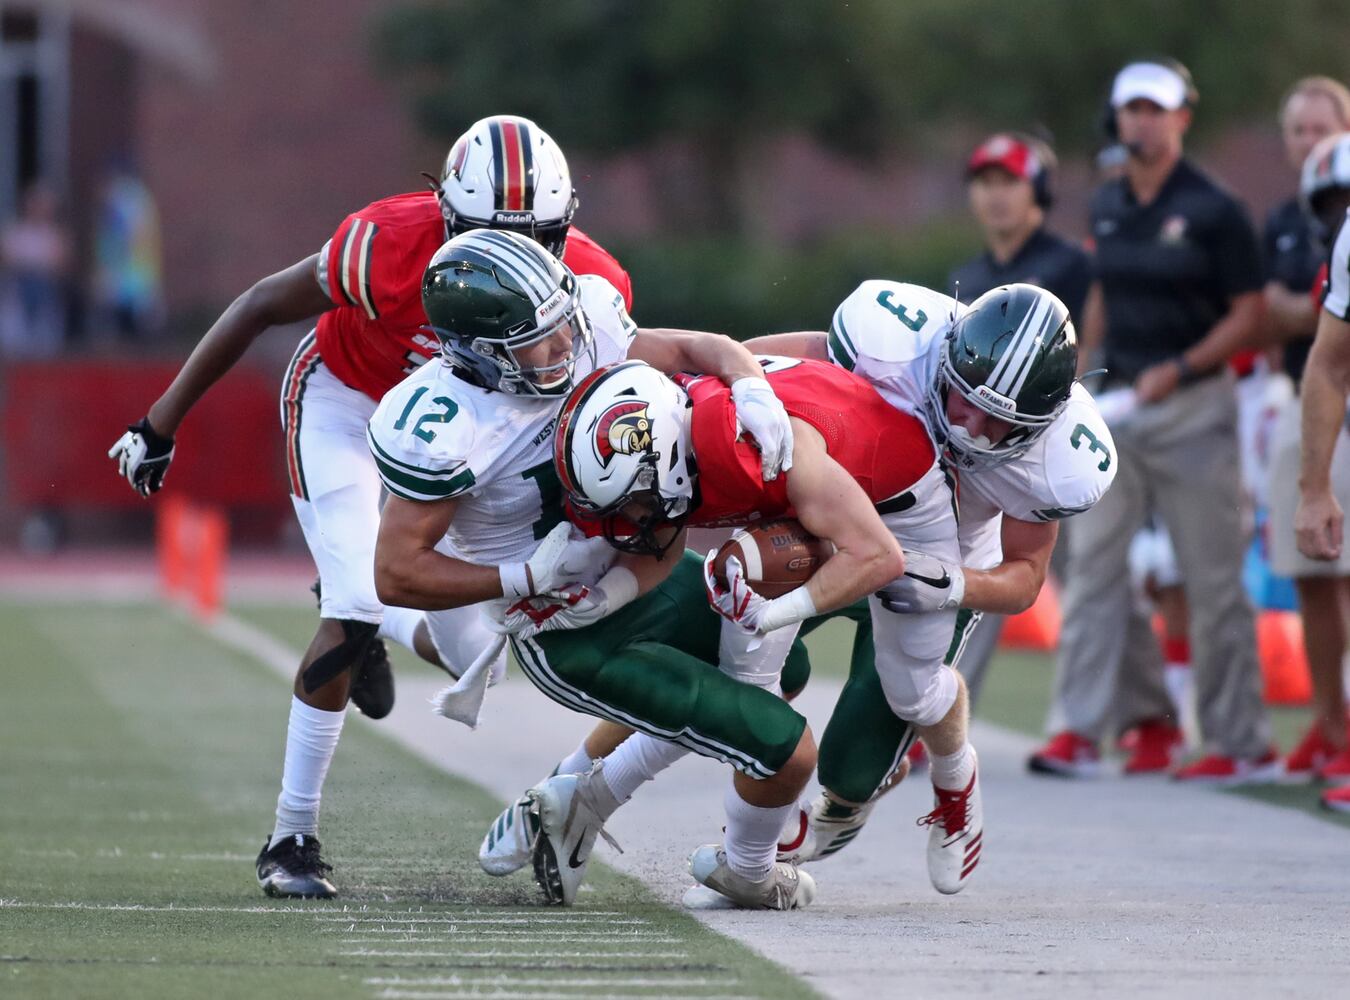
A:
[748, 163]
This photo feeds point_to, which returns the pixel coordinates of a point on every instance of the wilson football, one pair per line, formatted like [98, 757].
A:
[777, 556]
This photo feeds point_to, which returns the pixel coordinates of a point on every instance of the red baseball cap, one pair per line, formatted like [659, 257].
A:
[1007, 152]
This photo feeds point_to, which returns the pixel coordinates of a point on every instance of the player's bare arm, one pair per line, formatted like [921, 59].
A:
[1012, 586]
[288, 296]
[1318, 523]
[760, 412]
[804, 344]
[410, 573]
[830, 504]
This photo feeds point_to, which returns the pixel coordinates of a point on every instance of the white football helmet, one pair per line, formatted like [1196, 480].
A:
[1326, 174]
[507, 173]
[622, 454]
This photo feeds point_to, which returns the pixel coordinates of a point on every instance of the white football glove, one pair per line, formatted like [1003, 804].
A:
[564, 556]
[929, 584]
[573, 606]
[143, 457]
[738, 603]
[761, 414]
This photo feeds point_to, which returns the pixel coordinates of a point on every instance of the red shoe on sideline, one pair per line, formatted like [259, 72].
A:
[1216, 769]
[1336, 771]
[1067, 755]
[1155, 747]
[1337, 799]
[1312, 752]
[917, 756]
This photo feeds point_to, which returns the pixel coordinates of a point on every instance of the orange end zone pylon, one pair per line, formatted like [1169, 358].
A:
[1037, 627]
[191, 542]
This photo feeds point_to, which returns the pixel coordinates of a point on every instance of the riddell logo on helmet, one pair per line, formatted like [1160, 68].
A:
[513, 218]
[623, 429]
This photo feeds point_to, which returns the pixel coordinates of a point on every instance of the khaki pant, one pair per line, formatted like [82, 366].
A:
[1178, 458]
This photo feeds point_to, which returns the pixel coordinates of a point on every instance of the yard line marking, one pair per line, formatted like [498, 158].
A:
[19, 904]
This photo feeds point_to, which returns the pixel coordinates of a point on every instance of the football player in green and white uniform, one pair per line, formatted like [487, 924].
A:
[465, 449]
[995, 383]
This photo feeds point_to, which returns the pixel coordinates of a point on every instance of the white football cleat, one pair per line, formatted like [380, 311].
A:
[572, 813]
[510, 839]
[827, 827]
[784, 888]
[955, 834]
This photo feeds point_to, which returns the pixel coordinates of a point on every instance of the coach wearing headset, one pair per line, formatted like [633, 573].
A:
[1009, 179]
[1177, 292]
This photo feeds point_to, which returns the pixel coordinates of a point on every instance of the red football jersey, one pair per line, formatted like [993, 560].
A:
[372, 270]
[884, 450]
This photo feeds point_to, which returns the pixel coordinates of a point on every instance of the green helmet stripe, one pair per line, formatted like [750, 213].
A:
[840, 345]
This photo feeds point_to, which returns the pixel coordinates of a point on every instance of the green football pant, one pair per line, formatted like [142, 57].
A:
[652, 665]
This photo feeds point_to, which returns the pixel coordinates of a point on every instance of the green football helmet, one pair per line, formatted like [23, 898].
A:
[489, 294]
[1012, 354]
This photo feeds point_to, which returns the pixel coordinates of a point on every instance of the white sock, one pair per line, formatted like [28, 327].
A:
[577, 762]
[752, 834]
[636, 760]
[952, 771]
[399, 624]
[311, 738]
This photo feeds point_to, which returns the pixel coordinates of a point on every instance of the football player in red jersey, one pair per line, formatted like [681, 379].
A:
[642, 458]
[364, 287]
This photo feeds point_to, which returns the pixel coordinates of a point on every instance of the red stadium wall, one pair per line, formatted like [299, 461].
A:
[59, 419]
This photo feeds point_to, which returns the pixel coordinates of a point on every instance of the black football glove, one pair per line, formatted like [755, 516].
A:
[143, 456]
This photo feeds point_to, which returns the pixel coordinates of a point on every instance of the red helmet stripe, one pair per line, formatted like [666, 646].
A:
[513, 159]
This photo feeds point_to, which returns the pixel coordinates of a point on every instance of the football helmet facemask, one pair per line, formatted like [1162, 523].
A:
[1012, 354]
[489, 296]
[622, 454]
[507, 173]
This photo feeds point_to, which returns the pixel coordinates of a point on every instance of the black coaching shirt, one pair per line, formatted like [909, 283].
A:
[1168, 269]
[1045, 260]
[1293, 258]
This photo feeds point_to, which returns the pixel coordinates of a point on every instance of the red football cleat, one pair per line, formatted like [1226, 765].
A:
[1216, 769]
[1313, 751]
[1068, 755]
[1337, 799]
[1155, 746]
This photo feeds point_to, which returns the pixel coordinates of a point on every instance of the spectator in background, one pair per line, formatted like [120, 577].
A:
[1009, 179]
[34, 266]
[127, 279]
[1323, 584]
[1177, 292]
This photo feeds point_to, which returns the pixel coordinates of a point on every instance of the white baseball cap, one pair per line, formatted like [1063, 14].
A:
[1151, 81]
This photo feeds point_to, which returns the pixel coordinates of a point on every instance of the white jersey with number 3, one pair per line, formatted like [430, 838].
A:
[435, 437]
[891, 333]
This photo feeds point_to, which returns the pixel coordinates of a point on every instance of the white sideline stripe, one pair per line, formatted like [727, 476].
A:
[498, 953]
[507, 937]
[470, 980]
[569, 921]
[473, 991]
[242, 637]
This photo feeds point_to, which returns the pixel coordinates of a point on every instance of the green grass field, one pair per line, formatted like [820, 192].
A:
[141, 767]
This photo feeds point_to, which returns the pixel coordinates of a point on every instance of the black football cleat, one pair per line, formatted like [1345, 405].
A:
[293, 869]
[373, 683]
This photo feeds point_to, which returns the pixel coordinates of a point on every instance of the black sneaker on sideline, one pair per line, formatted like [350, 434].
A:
[373, 685]
[293, 869]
